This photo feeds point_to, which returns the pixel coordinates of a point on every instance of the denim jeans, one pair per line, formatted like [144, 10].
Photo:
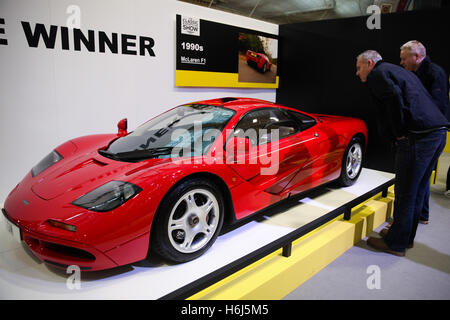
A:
[425, 214]
[415, 159]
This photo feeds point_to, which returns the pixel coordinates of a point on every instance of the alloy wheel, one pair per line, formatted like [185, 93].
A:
[354, 159]
[193, 220]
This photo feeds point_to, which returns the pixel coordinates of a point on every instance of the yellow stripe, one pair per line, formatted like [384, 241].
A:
[185, 78]
[447, 146]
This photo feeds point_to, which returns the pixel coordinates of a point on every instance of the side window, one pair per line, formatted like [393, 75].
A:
[305, 121]
[265, 125]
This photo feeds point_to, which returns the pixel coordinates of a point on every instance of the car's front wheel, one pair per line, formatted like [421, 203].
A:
[188, 221]
[351, 163]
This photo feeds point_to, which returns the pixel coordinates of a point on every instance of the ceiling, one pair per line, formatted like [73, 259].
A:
[292, 11]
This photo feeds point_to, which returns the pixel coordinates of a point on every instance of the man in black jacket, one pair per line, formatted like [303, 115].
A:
[413, 57]
[417, 127]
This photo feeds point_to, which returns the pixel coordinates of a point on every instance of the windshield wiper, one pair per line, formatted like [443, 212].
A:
[108, 154]
[184, 117]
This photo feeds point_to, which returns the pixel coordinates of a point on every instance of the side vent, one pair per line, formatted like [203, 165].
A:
[228, 99]
[99, 163]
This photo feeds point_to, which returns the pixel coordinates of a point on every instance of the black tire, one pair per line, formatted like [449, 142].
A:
[349, 177]
[171, 242]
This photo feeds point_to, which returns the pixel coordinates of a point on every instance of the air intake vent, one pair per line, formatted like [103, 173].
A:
[99, 163]
[228, 99]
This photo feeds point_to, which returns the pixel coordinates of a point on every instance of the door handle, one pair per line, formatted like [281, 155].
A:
[316, 134]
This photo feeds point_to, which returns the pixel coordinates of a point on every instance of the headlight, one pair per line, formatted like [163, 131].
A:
[108, 196]
[46, 163]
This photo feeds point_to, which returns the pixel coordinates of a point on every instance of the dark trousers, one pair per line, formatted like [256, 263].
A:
[425, 214]
[448, 180]
[414, 163]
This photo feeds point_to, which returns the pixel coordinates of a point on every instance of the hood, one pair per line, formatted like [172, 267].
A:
[83, 173]
[77, 173]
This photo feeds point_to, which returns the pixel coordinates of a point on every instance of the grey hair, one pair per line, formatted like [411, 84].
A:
[370, 55]
[415, 47]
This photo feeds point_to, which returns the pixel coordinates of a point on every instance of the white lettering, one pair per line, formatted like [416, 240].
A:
[374, 20]
[74, 281]
[374, 280]
[74, 20]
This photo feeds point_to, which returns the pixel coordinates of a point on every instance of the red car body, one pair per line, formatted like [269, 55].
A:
[258, 60]
[109, 239]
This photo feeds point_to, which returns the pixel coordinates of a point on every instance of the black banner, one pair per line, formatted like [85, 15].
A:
[217, 51]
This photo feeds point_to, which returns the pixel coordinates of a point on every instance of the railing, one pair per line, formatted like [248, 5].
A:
[284, 243]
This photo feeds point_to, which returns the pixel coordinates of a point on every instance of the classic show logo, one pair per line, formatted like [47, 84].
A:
[190, 26]
[71, 37]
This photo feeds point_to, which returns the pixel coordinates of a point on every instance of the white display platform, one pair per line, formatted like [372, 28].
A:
[22, 276]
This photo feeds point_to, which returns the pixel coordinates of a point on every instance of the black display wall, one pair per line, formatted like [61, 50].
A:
[317, 65]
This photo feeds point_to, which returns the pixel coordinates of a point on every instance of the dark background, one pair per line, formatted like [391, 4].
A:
[318, 65]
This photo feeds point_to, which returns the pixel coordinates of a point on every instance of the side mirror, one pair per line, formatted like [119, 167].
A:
[236, 146]
[122, 126]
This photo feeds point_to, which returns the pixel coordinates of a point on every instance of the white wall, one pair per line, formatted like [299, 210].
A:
[49, 96]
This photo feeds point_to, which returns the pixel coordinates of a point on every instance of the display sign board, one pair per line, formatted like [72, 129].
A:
[211, 54]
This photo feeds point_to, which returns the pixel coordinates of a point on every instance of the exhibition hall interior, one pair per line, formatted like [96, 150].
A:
[224, 150]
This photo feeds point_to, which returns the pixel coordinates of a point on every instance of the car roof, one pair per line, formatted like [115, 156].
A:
[242, 105]
[238, 104]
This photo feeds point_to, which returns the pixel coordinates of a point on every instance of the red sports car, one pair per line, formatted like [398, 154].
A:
[106, 200]
[258, 60]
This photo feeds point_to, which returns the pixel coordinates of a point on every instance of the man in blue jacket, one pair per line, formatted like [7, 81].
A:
[417, 127]
[413, 57]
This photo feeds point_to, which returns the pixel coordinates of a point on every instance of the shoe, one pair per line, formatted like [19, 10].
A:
[379, 244]
[447, 193]
[384, 232]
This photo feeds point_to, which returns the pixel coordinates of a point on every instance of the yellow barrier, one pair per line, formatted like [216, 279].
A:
[446, 150]
[447, 145]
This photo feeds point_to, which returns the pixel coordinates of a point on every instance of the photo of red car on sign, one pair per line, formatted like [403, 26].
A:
[258, 61]
[257, 58]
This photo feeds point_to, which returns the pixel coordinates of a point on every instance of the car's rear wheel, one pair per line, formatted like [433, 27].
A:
[351, 163]
[188, 221]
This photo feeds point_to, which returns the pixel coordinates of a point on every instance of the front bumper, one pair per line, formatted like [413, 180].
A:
[62, 253]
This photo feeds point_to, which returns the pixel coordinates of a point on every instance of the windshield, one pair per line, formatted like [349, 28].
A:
[187, 130]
